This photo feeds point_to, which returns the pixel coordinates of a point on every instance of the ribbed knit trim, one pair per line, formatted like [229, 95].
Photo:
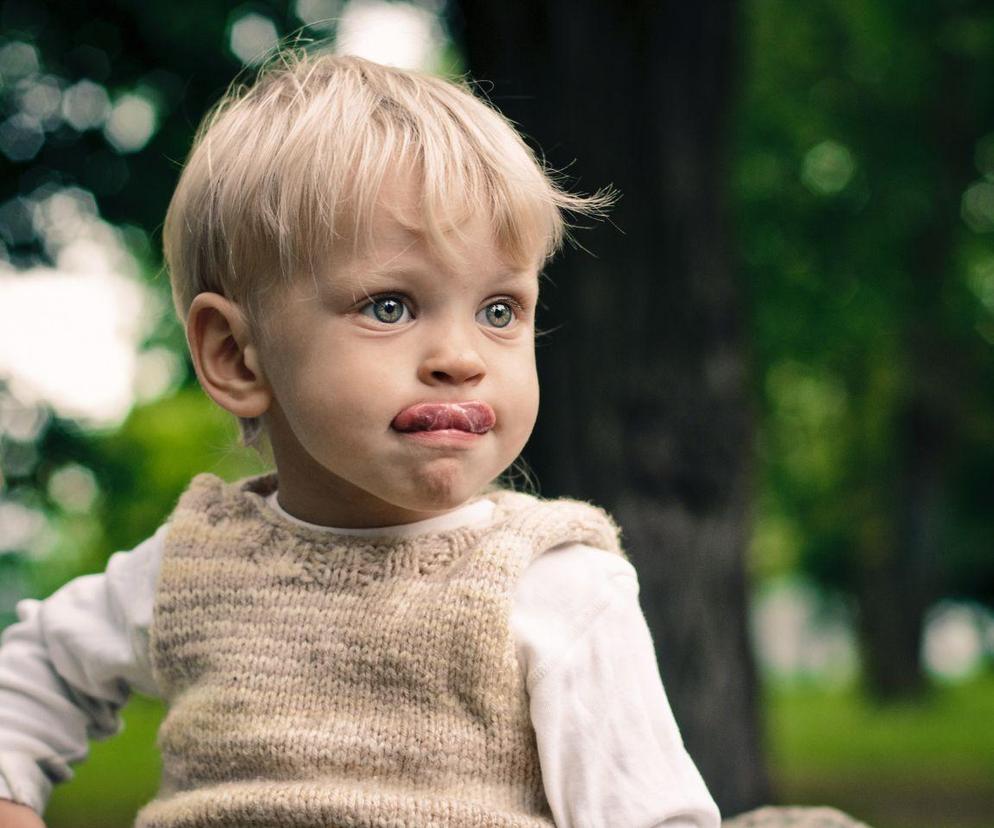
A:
[348, 559]
[475, 513]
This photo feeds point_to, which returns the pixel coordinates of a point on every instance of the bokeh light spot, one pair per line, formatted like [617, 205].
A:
[19, 526]
[318, 14]
[827, 168]
[85, 105]
[953, 644]
[977, 207]
[21, 136]
[18, 60]
[65, 338]
[980, 277]
[393, 33]
[74, 488]
[41, 98]
[19, 420]
[132, 122]
[252, 37]
[70, 335]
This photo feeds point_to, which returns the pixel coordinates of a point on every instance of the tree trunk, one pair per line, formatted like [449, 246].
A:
[901, 581]
[644, 377]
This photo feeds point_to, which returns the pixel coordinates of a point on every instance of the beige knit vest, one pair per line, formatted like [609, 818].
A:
[320, 680]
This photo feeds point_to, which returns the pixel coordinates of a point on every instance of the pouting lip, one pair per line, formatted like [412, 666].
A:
[475, 416]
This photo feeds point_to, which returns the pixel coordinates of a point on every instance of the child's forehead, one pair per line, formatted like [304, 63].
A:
[398, 215]
[398, 234]
[402, 253]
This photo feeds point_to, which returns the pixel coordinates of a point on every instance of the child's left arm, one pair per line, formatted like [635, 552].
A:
[609, 747]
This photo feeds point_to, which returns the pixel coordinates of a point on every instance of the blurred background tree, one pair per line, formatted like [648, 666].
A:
[853, 293]
[645, 380]
[865, 217]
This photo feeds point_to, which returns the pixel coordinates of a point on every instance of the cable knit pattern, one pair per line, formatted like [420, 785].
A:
[317, 679]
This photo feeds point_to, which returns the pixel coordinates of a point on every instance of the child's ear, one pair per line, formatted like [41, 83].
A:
[225, 357]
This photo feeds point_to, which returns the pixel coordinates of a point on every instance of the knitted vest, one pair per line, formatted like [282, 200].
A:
[317, 680]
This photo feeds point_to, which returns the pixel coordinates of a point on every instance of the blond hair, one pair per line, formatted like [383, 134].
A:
[286, 170]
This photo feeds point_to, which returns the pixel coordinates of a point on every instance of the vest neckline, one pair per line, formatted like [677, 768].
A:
[473, 513]
[255, 491]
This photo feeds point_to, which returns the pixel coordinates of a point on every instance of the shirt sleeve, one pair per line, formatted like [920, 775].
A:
[610, 750]
[68, 665]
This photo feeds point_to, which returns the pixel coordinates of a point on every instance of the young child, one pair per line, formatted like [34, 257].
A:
[374, 634]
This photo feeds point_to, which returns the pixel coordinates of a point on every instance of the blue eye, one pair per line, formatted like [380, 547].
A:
[497, 314]
[387, 309]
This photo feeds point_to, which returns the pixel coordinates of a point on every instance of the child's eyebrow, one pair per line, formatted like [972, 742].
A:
[517, 275]
[359, 284]
[425, 271]
[515, 279]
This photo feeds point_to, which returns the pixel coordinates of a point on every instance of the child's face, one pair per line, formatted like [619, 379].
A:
[352, 362]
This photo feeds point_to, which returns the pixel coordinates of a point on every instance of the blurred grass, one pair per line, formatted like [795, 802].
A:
[121, 775]
[928, 764]
[924, 764]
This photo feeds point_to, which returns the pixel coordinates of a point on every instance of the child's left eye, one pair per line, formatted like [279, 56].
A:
[496, 314]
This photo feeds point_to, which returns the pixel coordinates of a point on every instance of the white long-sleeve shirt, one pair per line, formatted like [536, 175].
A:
[609, 748]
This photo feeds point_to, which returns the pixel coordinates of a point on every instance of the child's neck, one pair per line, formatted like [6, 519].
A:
[345, 507]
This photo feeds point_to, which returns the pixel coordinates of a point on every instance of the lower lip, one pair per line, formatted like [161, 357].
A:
[442, 437]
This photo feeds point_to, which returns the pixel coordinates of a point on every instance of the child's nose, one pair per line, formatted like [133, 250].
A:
[449, 365]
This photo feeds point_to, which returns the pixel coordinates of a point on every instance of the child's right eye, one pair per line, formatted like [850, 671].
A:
[387, 309]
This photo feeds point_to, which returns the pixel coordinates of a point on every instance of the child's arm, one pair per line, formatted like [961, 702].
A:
[13, 815]
[66, 668]
[610, 750]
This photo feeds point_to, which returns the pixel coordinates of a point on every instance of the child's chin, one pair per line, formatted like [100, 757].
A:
[445, 486]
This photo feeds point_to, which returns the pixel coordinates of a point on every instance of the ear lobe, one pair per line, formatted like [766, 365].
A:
[225, 357]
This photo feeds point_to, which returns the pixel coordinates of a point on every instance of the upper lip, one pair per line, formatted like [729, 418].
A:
[474, 416]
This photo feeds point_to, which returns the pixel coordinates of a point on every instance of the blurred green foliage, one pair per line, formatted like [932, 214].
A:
[862, 131]
[176, 59]
[838, 180]
[142, 468]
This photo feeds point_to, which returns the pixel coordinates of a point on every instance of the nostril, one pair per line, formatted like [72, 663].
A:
[451, 369]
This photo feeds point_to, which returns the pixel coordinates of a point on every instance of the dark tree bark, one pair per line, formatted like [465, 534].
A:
[644, 377]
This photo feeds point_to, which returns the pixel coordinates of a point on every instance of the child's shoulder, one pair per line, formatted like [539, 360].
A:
[206, 489]
[552, 522]
[207, 482]
[581, 568]
[565, 587]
